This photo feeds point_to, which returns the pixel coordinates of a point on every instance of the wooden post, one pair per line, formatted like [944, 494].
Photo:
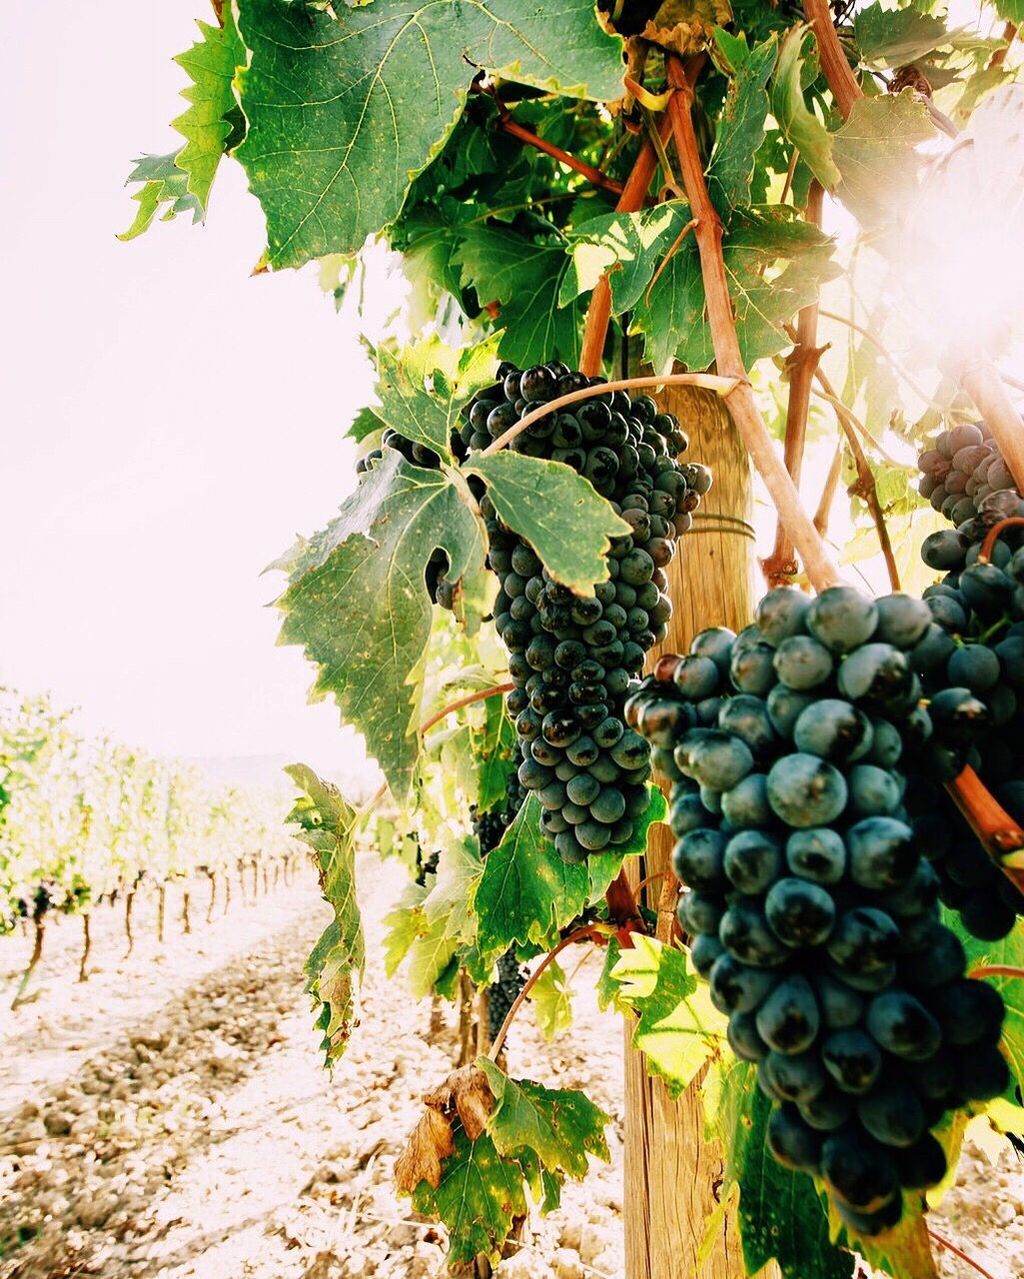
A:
[671, 1172]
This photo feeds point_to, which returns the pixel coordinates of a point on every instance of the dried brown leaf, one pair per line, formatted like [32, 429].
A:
[430, 1142]
[686, 26]
[467, 1092]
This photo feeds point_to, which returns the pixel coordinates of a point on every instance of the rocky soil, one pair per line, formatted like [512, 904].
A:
[170, 1117]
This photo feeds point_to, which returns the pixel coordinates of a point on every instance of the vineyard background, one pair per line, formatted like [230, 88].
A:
[136, 1105]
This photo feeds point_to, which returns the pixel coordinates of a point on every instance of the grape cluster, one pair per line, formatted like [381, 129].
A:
[573, 658]
[813, 914]
[971, 662]
[960, 468]
[502, 994]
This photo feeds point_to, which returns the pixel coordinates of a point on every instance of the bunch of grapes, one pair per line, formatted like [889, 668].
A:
[573, 658]
[960, 468]
[971, 663]
[502, 994]
[812, 913]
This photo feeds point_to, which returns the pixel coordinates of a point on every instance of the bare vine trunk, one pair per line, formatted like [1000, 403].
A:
[213, 897]
[129, 902]
[227, 891]
[37, 953]
[83, 965]
[186, 917]
[161, 903]
[672, 1172]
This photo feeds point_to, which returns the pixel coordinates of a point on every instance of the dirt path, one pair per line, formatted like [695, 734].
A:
[171, 1119]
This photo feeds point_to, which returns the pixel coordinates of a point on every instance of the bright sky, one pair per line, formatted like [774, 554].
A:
[169, 423]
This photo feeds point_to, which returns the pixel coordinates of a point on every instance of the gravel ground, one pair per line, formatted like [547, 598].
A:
[171, 1118]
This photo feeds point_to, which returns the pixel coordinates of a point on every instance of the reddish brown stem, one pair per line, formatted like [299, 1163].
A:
[838, 73]
[781, 564]
[865, 487]
[578, 934]
[749, 423]
[995, 829]
[958, 1252]
[600, 308]
[480, 695]
[1009, 35]
[996, 970]
[828, 492]
[994, 533]
[984, 385]
[588, 171]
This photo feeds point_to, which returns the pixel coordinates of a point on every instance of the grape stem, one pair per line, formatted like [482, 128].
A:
[742, 405]
[578, 934]
[949, 1246]
[481, 694]
[994, 533]
[996, 970]
[711, 382]
[844, 85]
[516, 130]
[781, 564]
[599, 309]
[997, 832]
[828, 492]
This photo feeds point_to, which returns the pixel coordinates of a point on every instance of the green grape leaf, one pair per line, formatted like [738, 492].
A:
[422, 389]
[906, 1250]
[608, 989]
[629, 246]
[211, 117]
[527, 893]
[429, 927]
[495, 755]
[385, 85]
[551, 1000]
[678, 1027]
[796, 119]
[365, 423]
[478, 1196]
[561, 1127]
[1010, 10]
[357, 602]
[894, 37]
[557, 511]
[164, 191]
[672, 312]
[525, 278]
[875, 153]
[740, 130]
[334, 969]
[781, 1215]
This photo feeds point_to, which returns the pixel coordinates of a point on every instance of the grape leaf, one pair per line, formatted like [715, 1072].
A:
[556, 510]
[478, 1196]
[740, 130]
[495, 754]
[551, 1001]
[527, 893]
[896, 36]
[420, 398]
[357, 601]
[212, 115]
[366, 422]
[1010, 10]
[629, 246]
[385, 85]
[524, 277]
[672, 312]
[874, 152]
[780, 1215]
[163, 185]
[796, 119]
[561, 1127]
[678, 1027]
[334, 969]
